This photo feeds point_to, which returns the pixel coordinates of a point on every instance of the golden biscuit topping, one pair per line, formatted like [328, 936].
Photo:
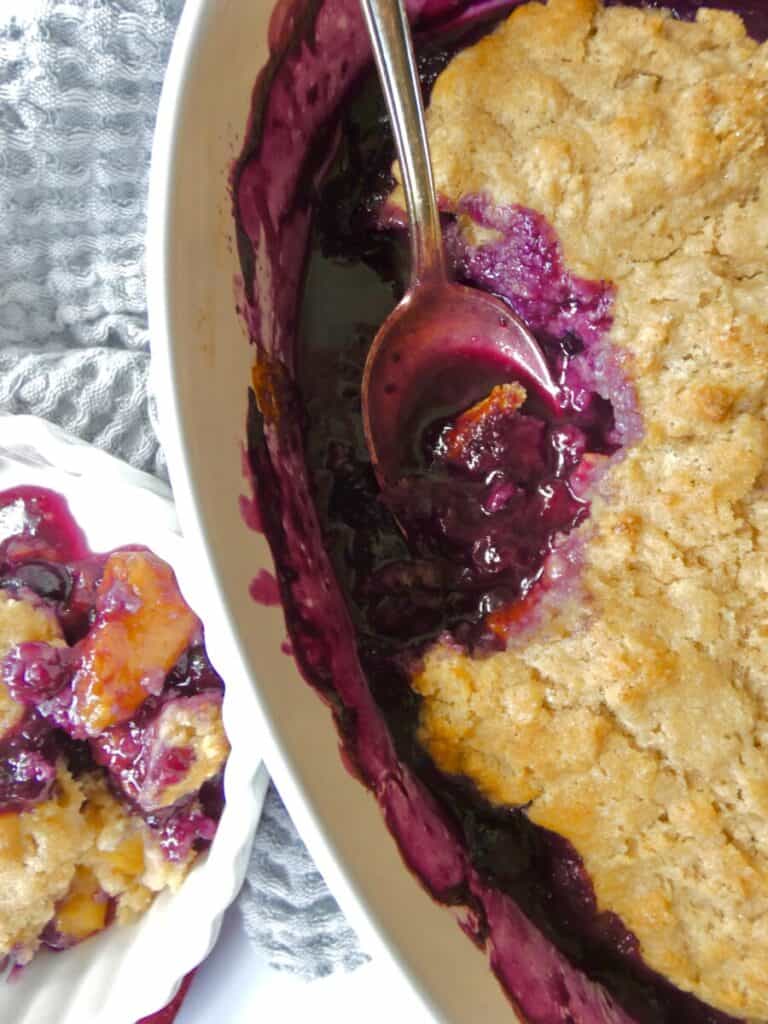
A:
[633, 720]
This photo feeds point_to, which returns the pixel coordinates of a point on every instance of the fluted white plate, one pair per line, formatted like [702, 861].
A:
[126, 973]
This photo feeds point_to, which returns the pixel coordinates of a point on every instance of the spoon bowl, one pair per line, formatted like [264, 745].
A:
[441, 349]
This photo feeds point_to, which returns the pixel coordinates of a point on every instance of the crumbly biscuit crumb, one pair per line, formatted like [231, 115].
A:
[82, 831]
[39, 852]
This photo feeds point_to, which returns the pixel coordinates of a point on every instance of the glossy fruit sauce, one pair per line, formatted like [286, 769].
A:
[490, 499]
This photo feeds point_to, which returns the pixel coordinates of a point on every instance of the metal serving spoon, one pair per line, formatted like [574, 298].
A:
[442, 335]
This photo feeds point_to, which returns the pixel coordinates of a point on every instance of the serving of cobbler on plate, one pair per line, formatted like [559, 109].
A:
[111, 741]
[564, 667]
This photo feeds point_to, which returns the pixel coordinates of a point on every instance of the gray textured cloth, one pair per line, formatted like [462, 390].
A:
[286, 905]
[79, 86]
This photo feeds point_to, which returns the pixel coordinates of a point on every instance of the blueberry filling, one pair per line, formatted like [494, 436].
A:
[490, 493]
[51, 582]
[34, 672]
[492, 496]
[27, 764]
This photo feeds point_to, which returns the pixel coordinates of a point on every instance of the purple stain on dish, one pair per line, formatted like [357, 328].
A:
[249, 506]
[344, 565]
[251, 516]
[551, 992]
[56, 940]
[264, 589]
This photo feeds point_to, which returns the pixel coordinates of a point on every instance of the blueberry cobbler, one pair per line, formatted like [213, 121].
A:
[111, 741]
[546, 646]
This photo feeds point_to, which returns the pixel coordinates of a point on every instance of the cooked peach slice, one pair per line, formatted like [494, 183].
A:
[11, 839]
[502, 400]
[142, 627]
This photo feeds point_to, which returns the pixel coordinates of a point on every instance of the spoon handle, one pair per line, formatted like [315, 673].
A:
[392, 48]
